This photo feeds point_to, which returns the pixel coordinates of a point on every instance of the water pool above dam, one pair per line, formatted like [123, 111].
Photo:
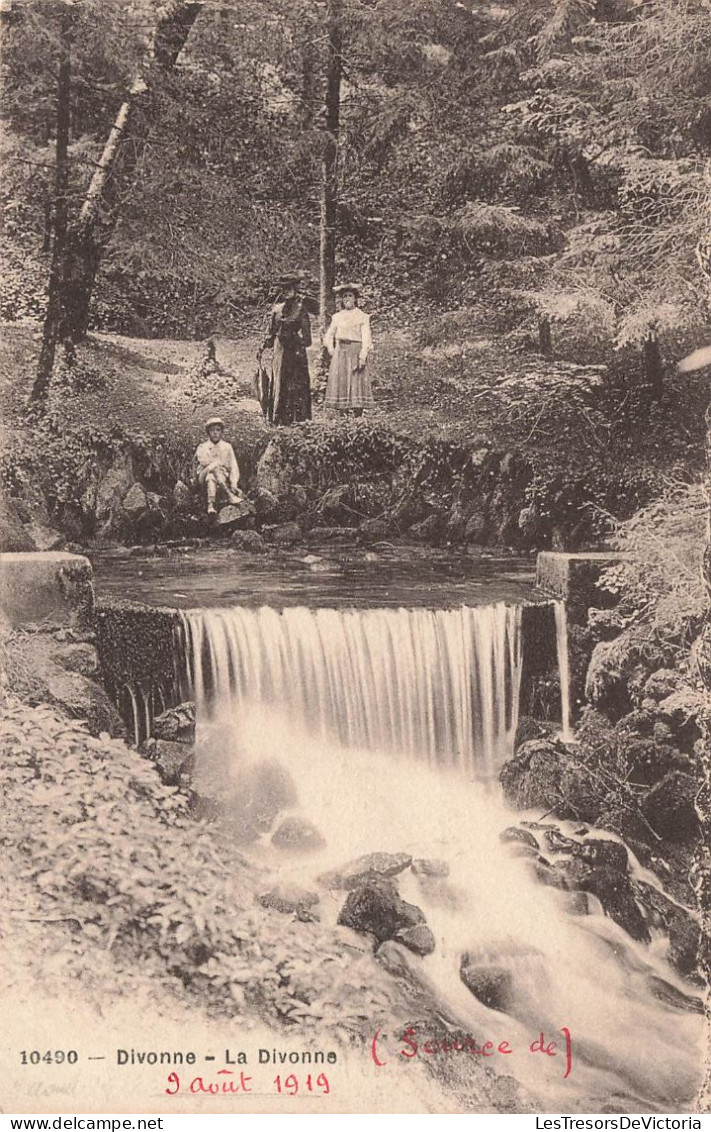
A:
[333, 577]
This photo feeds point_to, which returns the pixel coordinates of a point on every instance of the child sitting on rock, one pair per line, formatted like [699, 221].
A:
[216, 467]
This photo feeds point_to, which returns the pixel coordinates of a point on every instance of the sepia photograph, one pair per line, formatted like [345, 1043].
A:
[355, 559]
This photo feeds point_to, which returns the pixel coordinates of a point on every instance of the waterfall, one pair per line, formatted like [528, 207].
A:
[561, 636]
[295, 711]
[440, 685]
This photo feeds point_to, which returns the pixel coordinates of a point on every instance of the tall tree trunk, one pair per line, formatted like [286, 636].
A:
[52, 330]
[653, 367]
[545, 337]
[329, 167]
[116, 168]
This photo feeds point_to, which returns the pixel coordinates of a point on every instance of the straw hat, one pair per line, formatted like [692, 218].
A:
[354, 288]
[214, 421]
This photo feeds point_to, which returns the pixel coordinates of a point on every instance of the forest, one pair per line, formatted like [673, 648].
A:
[522, 191]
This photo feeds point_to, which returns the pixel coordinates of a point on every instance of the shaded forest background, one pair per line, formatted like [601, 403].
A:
[523, 189]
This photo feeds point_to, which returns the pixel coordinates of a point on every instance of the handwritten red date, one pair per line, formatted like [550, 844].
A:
[229, 1082]
[291, 1085]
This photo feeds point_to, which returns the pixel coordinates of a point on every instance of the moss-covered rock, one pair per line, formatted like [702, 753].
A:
[670, 807]
[619, 670]
[542, 775]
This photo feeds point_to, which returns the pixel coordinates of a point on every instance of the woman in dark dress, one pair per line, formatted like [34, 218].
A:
[288, 337]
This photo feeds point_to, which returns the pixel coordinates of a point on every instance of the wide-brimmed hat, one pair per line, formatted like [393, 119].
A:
[290, 279]
[354, 288]
[213, 421]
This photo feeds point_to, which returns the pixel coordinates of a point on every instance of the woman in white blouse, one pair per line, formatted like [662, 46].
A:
[349, 342]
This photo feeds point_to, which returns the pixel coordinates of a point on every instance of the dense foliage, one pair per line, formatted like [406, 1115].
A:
[93, 841]
[551, 158]
[661, 581]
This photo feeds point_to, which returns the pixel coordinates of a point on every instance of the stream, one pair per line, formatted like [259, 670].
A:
[386, 690]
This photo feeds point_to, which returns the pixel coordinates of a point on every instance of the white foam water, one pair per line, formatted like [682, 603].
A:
[385, 722]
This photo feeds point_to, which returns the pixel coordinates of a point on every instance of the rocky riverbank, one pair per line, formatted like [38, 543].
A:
[317, 482]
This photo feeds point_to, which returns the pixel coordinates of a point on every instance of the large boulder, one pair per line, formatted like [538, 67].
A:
[176, 724]
[492, 984]
[646, 761]
[619, 670]
[542, 775]
[531, 779]
[289, 898]
[670, 807]
[419, 939]
[612, 888]
[266, 505]
[359, 871]
[661, 684]
[283, 534]
[636, 723]
[134, 501]
[85, 699]
[113, 484]
[251, 541]
[685, 712]
[36, 673]
[276, 471]
[298, 835]
[603, 851]
[174, 761]
[513, 834]
[529, 728]
[232, 513]
[376, 907]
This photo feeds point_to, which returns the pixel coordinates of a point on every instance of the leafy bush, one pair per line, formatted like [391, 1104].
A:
[662, 580]
[62, 459]
[324, 455]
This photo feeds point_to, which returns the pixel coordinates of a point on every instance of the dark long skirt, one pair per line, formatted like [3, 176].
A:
[290, 388]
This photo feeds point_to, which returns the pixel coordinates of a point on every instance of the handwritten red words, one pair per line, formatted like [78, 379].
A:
[410, 1045]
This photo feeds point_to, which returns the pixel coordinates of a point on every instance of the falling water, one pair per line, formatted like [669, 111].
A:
[140, 705]
[441, 685]
[384, 722]
[561, 636]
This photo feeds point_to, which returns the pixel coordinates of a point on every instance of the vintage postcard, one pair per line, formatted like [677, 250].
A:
[354, 584]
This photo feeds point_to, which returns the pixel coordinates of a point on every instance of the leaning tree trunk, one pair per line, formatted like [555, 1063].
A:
[52, 330]
[116, 168]
[329, 166]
